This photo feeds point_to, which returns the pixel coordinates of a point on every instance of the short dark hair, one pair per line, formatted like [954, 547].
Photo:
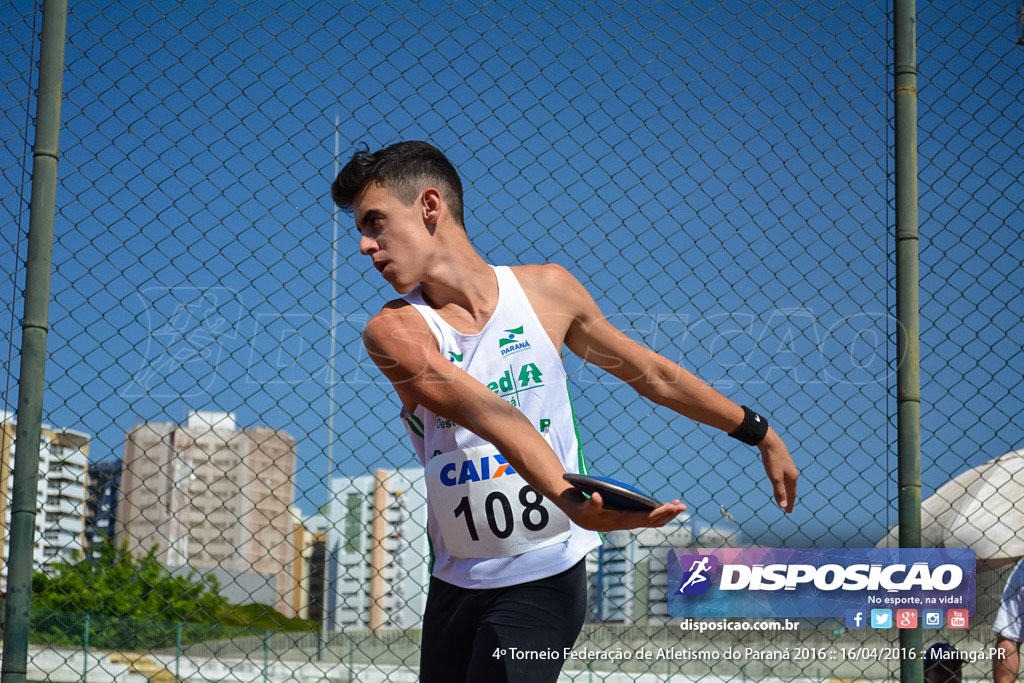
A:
[404, 168]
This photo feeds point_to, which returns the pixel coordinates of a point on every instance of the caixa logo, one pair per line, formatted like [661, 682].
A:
[487, 467]
[696, 573]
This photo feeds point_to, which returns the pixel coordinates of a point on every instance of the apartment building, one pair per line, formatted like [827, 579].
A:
[60, 493]
[378, 564]
[211, 496]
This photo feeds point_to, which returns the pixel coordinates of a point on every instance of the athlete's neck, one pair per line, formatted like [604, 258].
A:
[462, 284]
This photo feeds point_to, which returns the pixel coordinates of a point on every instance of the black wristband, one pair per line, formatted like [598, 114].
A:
[753, 428]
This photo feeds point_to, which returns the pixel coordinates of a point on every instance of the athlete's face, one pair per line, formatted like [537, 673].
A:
[394, 235]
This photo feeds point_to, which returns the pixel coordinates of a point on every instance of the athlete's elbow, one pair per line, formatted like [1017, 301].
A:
[656, 386]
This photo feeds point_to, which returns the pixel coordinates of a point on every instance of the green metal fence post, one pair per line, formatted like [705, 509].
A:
[321, 643]
[351, 654]
[33, 348]
[908, 354]
[266, 653]
[85, 651]
[177, 654]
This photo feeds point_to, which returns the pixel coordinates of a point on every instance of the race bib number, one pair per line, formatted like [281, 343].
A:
[485, 509]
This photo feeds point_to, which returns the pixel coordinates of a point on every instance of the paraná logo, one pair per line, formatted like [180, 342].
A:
[513, 342]
[455, 357]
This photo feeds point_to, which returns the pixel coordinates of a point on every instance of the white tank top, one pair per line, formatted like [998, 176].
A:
[472, 499]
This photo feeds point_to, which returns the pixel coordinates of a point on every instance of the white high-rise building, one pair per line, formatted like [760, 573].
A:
[60, 493]
[613, 577]
[628, 572]
[378, 564]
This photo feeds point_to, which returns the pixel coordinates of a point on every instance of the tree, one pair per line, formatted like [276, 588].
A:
[130, 602]
[135, 603]
[115, 583]
[262, 617]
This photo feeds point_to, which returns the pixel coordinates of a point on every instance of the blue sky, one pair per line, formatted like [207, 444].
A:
[720, 180]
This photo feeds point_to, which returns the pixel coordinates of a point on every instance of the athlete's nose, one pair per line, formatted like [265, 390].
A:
[367, 245]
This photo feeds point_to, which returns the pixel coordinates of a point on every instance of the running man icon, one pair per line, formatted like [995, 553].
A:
[698, 574]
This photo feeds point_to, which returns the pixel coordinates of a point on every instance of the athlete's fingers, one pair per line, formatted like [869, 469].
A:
[599, 518]
[781, 471]
[780, 495]
[666, 513]
[790, 492]
[784, 485]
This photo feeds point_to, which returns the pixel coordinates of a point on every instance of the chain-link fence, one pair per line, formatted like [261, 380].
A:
[222, 462]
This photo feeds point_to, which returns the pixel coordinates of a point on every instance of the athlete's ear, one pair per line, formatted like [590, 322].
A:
[430, 202]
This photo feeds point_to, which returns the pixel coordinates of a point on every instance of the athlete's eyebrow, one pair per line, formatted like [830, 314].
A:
[368, 216]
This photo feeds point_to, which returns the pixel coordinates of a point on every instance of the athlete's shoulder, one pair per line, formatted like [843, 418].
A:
[551, 277]
[552, 282]
[396, 309]
[395, 321]
[543, 271]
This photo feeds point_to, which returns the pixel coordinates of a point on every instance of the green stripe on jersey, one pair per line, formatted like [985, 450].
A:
[580, 460]
[416, 429]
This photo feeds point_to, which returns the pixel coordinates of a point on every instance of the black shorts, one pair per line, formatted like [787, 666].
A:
[464, 628]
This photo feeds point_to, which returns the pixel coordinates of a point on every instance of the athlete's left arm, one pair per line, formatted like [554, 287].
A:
[1006, 662]
[594, 339]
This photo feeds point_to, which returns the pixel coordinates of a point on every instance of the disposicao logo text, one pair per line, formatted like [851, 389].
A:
[817, 582]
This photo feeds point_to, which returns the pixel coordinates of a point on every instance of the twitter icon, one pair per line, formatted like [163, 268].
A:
[881, 618]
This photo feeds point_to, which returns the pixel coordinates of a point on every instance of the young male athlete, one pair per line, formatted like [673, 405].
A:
[474, 354]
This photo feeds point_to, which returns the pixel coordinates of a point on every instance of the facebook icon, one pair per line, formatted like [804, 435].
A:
[855, 618]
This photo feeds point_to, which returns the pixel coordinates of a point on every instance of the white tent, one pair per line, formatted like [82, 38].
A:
[981, 508]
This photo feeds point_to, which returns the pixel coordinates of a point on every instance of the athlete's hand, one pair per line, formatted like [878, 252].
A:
[779, 467]
[590, 513]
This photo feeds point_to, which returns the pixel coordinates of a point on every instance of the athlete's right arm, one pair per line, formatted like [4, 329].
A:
[399, 342]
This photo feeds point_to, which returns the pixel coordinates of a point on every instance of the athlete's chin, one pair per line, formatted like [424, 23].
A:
[400, 285]
[403, 288]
